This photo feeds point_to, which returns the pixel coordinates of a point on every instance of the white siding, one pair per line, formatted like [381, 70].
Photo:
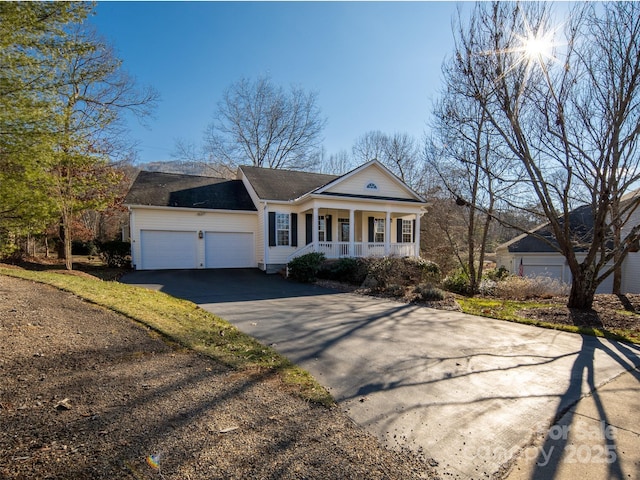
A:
[357, 184]
[260, 238]
[631, 265]
[187, 220]
[279, 255]
[631, 273]
[633, 221]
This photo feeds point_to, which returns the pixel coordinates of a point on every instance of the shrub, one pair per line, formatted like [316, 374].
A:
[515, 287]
[384, 271]
[394, 290]
[349, 270]
[497, 274]
[381, 271]
[428, 293]
[418, 270]
[115, 253]
[457, 282]
[305, 267]
[89, 248]
[487, 286]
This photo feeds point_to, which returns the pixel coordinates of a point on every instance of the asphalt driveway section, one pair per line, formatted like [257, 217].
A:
[469, 392]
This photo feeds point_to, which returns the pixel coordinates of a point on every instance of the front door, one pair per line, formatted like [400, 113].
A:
[343, 229]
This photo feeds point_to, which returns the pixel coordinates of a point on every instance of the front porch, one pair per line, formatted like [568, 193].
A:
[360, 233]
[357, 249]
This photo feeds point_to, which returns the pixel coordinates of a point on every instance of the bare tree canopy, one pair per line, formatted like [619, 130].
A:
[263, 124]
[565, 107]
[398, 152]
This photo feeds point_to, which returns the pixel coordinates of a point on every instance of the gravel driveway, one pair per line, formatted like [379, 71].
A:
[466, 391]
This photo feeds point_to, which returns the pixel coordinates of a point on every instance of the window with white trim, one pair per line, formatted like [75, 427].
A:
[282, 229]
[378, 230]
[407, 231]
[322, 228]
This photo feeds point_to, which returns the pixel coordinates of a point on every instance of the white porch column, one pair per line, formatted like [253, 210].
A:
[352, 229]
[387, 234]
[314, 229]
[416, 234]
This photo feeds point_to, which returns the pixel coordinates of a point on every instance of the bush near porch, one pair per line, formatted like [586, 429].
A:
[405, 277]
[380, 273]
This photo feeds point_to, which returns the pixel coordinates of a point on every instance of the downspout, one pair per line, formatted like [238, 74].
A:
[132, 238]
[265, 239]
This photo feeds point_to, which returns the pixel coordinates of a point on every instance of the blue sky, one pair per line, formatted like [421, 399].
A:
[374, 65]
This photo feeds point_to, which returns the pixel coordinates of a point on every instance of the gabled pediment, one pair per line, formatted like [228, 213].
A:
[370, 180]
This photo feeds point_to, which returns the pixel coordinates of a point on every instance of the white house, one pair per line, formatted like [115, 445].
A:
[529, 255]
[266, 217]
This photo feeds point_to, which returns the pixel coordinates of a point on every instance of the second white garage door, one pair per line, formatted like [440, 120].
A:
[229, 250]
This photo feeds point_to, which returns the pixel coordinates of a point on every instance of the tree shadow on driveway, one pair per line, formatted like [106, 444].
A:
[571, 439]
[222, 285]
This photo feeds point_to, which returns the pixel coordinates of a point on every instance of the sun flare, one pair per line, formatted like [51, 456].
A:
[538, 46]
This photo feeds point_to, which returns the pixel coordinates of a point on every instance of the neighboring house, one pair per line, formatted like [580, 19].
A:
[529, 255]
[266, 217]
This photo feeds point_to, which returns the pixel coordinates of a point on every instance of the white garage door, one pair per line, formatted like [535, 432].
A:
[229, 250]
[161, 249]
[551, 271]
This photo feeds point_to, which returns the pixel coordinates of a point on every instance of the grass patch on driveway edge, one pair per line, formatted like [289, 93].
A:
[186, 324]
[508, 310]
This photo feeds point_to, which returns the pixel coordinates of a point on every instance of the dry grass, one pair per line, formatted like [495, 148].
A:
[185, 323]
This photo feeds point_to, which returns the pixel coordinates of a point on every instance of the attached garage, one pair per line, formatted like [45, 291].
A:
[229, 250]
[164, 249]
[187, 222]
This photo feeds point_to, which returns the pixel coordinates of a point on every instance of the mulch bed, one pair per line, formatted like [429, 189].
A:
[609, 312]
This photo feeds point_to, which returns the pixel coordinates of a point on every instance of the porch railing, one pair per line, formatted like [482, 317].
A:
[357, 249]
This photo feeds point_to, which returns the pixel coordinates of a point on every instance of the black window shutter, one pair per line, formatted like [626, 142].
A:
[371, 237]
[328, 226]
[272, 229]
[399, 230]
[294, 229]
[308, 228]
[413, 231]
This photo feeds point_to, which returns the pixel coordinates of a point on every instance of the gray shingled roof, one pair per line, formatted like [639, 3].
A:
[190, 191]
[581, 225]
[277, 184]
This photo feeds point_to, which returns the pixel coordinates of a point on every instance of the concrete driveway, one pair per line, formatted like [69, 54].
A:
[467, 391]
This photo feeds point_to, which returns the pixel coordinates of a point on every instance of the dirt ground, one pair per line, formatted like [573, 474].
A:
[609, 312]
[88, 394]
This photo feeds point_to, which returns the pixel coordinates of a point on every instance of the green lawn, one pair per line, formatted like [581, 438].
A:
[185, 323]
[510, 310]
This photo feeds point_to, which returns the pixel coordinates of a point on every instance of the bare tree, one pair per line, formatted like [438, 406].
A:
[468, 157]
[399, 152]
[566, 109]
[369, 146]
[334, 164]
[261, 123]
